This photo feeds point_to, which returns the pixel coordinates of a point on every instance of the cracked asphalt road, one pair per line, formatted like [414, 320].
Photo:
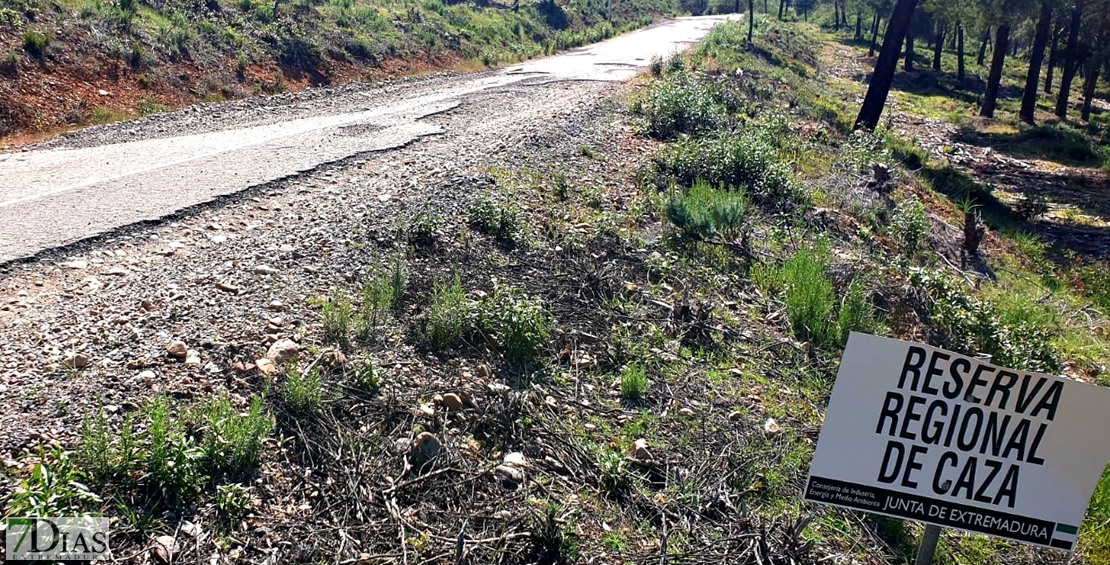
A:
[70, 191]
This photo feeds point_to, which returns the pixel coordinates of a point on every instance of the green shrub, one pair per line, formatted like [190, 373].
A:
[634, 382]
[863, 149]
[704, 211]
[972, 326]
[681, 104]
[304, 392]
[233, 442]
[449, 317]
[35, 43]
[109, 457]
[656, 66]
[379, 295]
[909, 225]
[498, 219]
[741, 161]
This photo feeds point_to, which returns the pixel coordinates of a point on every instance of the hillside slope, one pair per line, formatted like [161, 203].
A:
[67, 63]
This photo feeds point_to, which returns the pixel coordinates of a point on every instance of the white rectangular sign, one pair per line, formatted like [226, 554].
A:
[921, 433]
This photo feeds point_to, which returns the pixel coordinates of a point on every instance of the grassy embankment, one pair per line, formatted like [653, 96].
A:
[670, 350]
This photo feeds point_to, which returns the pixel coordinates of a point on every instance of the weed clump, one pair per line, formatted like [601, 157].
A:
[304, 392]
[495, 218]
[909, 225]
[811, 298]
[233, 441]
[35, 43]
[449, 317]
[521, 324]
[704, 212]
[337, 314]
[634, 382]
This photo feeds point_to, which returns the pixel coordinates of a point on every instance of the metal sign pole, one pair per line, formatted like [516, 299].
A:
[928, 545]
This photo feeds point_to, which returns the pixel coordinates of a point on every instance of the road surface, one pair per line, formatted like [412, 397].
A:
[72, 191]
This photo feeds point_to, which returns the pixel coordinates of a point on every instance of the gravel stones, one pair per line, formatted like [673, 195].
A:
[177, 349]
[425, 448]
[283, 350]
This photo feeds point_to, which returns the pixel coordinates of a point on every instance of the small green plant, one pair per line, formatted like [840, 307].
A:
[174, 464]
[562, 186]
[704, 212]
[378, 297]
[587, 152]
[364, 377]
[234, 442]
[148, 106]
[809, 294]
[856, 313]
[449, 317]
[233, 501]
[423, 227]
[498, 219]
[106, 456]
[35, 43]
[55, 488]
[615, 474]
[634, 382]
[337, 314]
[909, 225]
[657, 66]
[522, 324]
[676, 63]
[1032, 206]
[304, 392]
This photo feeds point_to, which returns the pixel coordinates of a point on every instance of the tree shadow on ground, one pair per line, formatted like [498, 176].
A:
[1048, 142]
[554, 15]
[1085, 191]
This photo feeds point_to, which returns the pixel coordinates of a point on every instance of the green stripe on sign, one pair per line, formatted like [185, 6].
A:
[1073, 530]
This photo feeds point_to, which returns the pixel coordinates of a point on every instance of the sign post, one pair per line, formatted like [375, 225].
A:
[921, 433]
[928, 547]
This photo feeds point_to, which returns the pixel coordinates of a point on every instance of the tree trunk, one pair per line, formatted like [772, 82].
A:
[960, 70]
[874, 36]
[836, 15]
[751, 20]
[782, 6]
[908, 66]
[859, 27]
[983, 46]
[938, 45]
[1052, 57]
[1071, 63]
[878, 89]
[1093, 70]
[994, 79]
[1036, 58]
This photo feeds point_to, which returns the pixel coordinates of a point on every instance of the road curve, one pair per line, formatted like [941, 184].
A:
[53, 197]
